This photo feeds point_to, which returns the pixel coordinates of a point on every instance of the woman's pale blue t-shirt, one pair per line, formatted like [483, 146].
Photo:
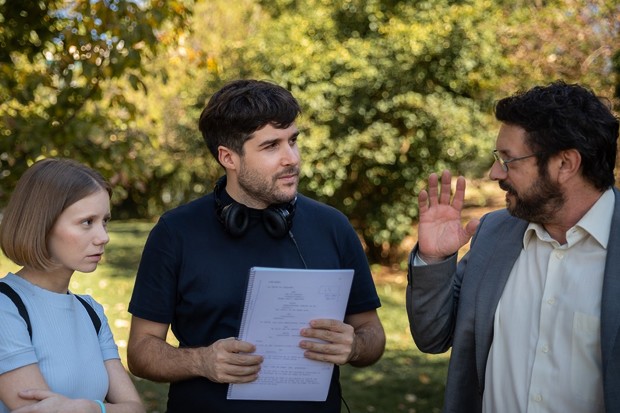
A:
[64, 342]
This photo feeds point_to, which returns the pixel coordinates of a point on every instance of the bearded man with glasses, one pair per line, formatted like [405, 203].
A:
[532, 311]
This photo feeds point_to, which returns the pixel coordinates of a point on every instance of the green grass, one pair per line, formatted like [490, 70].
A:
[404, 380]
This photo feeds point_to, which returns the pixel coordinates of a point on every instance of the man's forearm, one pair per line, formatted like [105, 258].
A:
[368, 346]
[154, 359]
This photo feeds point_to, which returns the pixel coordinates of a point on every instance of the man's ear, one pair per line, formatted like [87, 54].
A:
[227, 157]
[569, 164]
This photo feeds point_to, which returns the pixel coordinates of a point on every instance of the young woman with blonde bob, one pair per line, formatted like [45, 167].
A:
[63, 359]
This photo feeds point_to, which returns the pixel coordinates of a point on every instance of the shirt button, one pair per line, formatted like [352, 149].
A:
[559, 255]
[538, 398]
[551, 301]
[545, 349]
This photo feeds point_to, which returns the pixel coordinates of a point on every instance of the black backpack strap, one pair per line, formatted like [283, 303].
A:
[91, 313]
[21, 308]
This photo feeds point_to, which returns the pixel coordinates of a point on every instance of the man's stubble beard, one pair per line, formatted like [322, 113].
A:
[265, 189]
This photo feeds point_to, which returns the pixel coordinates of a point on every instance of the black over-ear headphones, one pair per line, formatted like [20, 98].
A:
[277, 219]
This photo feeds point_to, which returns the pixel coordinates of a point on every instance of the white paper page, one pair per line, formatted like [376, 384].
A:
[280, 302]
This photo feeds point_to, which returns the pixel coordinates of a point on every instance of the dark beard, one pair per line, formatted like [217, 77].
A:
[539, 204]
[263, 188]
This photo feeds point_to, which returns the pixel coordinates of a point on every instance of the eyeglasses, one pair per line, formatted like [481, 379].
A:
[504, 162]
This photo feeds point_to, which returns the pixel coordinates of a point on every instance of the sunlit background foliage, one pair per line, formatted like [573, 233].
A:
[391, 90]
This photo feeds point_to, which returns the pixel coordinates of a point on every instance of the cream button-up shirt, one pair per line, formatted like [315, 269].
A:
[546, 351]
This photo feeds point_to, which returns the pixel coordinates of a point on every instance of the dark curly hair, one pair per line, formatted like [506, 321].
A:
[563, 116]
[242, 107]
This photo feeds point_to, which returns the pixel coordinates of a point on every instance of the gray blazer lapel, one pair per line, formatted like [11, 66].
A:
[610, 301]
[506, 243]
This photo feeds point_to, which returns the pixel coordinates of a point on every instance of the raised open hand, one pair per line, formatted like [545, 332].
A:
[440, 232]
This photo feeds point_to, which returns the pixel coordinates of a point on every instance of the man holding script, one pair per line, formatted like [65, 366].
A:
[196, 262]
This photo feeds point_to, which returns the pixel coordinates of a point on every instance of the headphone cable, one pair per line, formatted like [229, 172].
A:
[290, 234]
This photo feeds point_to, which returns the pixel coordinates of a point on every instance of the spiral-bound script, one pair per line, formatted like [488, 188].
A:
[280, 302]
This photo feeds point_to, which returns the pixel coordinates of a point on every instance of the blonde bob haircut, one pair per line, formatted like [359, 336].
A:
[43, 192]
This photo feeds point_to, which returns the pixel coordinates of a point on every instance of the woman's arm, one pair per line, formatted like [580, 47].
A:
[22, 378]
[122, 396]
[24, 390]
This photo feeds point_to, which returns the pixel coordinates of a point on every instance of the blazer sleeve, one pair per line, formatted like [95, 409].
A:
[431, 300]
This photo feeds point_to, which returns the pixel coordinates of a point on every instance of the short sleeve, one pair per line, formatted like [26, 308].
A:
[16, 348]
[109, 349]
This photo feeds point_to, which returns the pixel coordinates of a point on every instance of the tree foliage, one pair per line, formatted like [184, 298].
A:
[181, 166]
[573, 40]
[65, 67]
[391, 90]
[394, 90]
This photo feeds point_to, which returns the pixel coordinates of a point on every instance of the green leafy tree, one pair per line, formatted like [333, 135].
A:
[65, 68]
[394, 90]
[391, 90]
[573, 40]
[180, 165]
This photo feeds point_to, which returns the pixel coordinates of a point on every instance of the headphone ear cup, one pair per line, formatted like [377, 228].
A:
[276, 222]
[235, 218]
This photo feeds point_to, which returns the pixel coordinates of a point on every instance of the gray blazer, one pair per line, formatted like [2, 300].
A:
[452, 305]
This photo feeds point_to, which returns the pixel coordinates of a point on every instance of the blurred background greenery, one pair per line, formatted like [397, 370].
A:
[391, 90]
